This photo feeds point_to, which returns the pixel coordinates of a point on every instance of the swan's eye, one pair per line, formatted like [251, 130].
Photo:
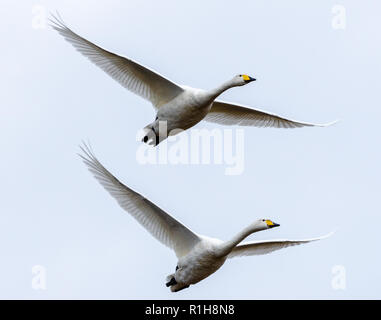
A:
[263, 220]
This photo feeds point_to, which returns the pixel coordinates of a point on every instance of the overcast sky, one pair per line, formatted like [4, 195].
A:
[311, 180]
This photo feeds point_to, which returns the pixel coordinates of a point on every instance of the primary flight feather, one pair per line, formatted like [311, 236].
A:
[178, 107]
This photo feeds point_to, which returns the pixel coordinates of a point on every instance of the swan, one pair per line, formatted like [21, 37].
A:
[198, 256]
[178, 107]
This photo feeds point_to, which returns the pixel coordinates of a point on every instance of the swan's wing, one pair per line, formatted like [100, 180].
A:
[233, 114]
[128, 73]
[160, 224]
[266, 246]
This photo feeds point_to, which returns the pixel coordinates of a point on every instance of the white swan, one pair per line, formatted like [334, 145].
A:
[198, 256]
[178, 107]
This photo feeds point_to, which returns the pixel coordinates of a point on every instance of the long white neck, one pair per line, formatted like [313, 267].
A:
[223, 87]
[228, 246]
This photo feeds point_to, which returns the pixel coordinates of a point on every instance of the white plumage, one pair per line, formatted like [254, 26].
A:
[180, 107]
[198, 256]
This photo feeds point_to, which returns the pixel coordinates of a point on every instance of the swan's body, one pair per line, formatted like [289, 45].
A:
[179, 107]
[182, 112]
[198, 256]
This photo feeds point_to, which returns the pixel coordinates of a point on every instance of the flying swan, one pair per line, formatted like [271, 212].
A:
[198, 256]
[178, 107]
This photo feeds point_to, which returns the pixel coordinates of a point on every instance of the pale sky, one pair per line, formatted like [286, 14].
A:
[310, 180]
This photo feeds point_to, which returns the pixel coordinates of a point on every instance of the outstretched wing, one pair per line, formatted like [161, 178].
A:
[131, 75]
[160, 224]
[233, 114]
[266, 246]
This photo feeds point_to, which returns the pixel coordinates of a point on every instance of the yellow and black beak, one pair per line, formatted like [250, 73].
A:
[272, 224]
[248, 79]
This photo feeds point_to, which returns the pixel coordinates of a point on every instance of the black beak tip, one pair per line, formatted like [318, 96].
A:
[250, 80]
[274, 225]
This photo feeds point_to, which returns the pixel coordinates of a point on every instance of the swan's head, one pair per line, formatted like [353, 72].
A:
[263, 224]
[242, 79]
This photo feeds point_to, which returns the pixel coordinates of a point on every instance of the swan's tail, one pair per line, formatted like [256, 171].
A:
[150, 137]
[174, 285]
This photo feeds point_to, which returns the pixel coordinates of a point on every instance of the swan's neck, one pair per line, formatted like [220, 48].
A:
[228, 246]
[220, 89]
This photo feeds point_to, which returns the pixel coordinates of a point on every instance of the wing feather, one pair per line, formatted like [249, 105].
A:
[227, 113]
[160, 224]
[131, 75]
[266, 246]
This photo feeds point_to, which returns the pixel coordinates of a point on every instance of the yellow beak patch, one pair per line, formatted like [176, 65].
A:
[269, 223]
[245, 77]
